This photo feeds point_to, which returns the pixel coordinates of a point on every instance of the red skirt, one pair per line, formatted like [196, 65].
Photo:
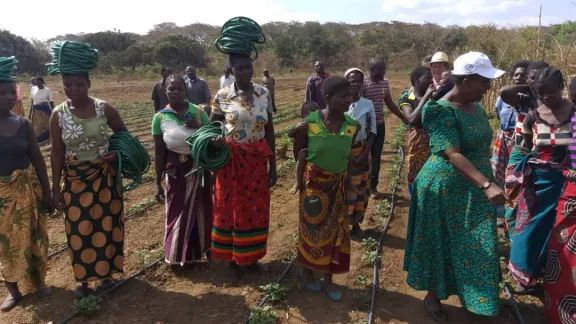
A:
[242, 204]
[560, 274]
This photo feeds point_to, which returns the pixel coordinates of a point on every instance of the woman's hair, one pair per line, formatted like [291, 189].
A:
[417, 73]
[537, 65]
[39, 79]
[308, 103]
[519, 64]
[334, 84]
[175, 77]
[549, 76]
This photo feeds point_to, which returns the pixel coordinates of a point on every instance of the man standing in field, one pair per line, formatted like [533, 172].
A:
[377, 90]
[227, 79]
[159, 91]
[269, 82]
[314, 85]
[197, 89]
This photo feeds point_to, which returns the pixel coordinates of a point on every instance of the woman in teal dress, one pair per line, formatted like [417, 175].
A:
[452, 240]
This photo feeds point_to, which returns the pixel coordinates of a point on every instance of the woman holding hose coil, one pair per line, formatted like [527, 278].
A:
[92, 197]
[188, 203]
[242, 194]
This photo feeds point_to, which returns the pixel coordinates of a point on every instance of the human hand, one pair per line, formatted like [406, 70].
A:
[430, 90]
[48, 201]
[497, 196]
[110, 157]
[160, 195]
[58, 201]
[272, 177]
[218, 142]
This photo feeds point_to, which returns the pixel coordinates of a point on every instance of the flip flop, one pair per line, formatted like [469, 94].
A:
[313, 286]
[439, 316]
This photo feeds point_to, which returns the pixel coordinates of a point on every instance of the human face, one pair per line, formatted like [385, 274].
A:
[437, 70]
[7, 97]
[549, 95]
[76, 87]
[445, 77]
[341, 100]
[191, 72]
[176, 92]
[243, 70]
[266, 73]
[319, 67]
[356, 80]
[531, 76]
[378, 70]
[519, 76]
[477, 86]
[40, 84]
[424, 82]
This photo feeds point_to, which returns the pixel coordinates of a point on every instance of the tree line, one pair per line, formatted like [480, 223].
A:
[295, 45]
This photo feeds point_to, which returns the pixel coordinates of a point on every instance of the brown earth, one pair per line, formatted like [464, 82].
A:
[210, 294]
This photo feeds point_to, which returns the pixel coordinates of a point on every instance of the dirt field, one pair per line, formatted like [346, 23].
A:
[210, 295]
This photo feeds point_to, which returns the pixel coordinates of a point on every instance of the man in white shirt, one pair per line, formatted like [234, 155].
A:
[227, 79]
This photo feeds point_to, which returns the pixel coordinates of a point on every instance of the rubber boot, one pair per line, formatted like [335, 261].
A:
[13, 297]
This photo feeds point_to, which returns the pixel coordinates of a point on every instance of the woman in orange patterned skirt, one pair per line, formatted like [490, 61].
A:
[324, 240]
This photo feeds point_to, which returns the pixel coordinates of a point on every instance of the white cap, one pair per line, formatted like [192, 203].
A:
[476, 63]
[349, 71]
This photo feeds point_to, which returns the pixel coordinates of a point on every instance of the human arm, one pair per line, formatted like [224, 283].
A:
[498, 107]
[509, 94]
[159, 166]
[115, 123]
[309, 90]
[441, 125]
[57, 153]
[207, 94]
[414, 116]
[392, 106]
[527, 132]
[300, 168]
[271, 140]
[39, 165]
[50, 99]
[155, 99]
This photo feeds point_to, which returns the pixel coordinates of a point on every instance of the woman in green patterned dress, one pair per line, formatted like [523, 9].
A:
[451, 242]
[92, 197]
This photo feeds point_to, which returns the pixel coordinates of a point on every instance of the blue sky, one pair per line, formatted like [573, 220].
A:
[73, 16]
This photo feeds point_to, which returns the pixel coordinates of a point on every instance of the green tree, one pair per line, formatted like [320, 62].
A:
[110, 41]
[30, 59]
[178, 51]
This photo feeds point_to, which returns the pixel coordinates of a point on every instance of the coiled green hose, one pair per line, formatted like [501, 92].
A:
[133, 159]
[206, 155]
[7, 69]
[239, 36]
[72, 58]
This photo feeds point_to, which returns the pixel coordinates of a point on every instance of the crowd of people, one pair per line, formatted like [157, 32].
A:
[456, 182]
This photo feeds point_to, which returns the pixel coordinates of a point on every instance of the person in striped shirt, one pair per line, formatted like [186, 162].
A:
[377, 90]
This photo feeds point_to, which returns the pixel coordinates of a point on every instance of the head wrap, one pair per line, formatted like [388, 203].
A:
[70, 57]
[239, 36]
[7, 69]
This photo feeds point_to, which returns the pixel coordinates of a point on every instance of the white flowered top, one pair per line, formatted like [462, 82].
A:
[245, 120]
[85, 139]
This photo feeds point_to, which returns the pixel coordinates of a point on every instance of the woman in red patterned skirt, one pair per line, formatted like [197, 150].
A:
[242, 194]
[560, 275]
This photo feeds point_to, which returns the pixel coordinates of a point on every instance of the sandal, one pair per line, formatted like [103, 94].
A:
[438, 315]
[313, 286]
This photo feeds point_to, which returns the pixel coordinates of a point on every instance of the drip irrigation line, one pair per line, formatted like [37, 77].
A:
[70, 316]
[381, 240]
[265, 298]
[516, 309]
[134, 214]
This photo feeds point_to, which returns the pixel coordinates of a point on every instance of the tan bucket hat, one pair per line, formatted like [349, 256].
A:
[439, 57]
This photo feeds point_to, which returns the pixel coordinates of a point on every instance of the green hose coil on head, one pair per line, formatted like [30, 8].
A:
[205, 154]
[8, 69]
[70, 57]
[133, 159]
[239, 36]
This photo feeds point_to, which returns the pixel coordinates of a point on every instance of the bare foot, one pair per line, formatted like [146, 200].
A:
[294, 190]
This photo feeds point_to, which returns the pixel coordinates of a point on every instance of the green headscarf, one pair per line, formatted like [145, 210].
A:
[70, 57]
[8, 69]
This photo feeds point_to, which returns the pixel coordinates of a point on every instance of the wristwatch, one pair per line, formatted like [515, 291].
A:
[485, 185]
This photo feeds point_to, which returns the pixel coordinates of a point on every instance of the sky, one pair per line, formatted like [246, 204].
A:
[67, 16]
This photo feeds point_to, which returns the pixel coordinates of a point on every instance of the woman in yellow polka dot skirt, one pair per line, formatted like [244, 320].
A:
[91, 198]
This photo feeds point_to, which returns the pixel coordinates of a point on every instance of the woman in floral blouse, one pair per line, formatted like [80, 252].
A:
[91, 199]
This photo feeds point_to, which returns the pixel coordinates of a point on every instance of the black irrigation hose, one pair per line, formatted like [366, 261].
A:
[70, 316]
[516, 309]
[265, 298]
[134, 214]
[379, 246]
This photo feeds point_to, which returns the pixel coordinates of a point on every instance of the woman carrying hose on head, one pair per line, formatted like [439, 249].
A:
[24, 190]
[92, 196]
[242, 192]
[188, 200]
[324, 236]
